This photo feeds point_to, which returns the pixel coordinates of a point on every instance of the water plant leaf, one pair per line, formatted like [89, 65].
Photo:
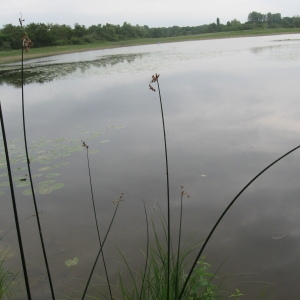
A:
[60, 140]
[37, 175]
[2, 192]
[46, 183]
[44, 169]
[50, 175]
[45, 190]
[57, 186]
[4, 183]
[72, 262]
[27, 192]
[115, 126]
[94, 151]
[22, 184]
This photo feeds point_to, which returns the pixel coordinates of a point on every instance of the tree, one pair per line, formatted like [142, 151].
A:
[13, 35]
[256, 17]
[79, 30]
[39, 33]
[218, 21]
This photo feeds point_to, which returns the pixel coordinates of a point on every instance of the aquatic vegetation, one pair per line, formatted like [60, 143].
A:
[9, 74]
[46, 156]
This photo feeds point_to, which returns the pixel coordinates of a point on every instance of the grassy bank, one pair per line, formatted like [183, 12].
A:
[15, 55]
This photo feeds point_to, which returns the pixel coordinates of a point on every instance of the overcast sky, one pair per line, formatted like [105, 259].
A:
[154, 13]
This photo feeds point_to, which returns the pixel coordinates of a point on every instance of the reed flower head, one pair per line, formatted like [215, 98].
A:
[84, 144]
[154, 79]
[121, 198]
[27, 43]
[183, 192]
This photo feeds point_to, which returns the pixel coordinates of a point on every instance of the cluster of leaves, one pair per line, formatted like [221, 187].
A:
[46, 158]
[45, 35]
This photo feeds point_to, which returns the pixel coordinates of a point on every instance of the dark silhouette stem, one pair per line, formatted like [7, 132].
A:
[95, 215]
[14, 206]
[30, 178]
[223, 214]
[100, 250]
[179, 243]
[147, 253]
[168, 194]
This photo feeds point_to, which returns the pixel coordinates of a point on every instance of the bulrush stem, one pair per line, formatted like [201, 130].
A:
[96, 219]
[155, 79]
[223, 214]
[14, 206]
[101, 247]
[25, 46]
[147, 252]
[179, 243]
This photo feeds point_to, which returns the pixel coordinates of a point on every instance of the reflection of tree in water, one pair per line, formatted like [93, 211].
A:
[48, 72]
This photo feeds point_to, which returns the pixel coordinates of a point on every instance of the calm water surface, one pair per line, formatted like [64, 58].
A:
[231, 108]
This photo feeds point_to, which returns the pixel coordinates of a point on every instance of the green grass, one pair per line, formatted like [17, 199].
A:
[15, 55]
[6, 279]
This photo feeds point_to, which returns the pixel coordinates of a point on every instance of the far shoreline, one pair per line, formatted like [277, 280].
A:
[12, 56]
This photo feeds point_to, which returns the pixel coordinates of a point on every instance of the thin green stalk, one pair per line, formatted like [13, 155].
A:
[26, 43]
[223, 214]
[147, 253]
[15, 206]
[155, 79]
[100, 250]
[96, 219]
[179, 243]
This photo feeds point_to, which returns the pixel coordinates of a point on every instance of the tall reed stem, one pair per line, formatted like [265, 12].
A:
[179, 242]
[223, 214]
[14, 206]
[147, 252]
[155, 79]
[100, 250]
[96, 219]
[29, 173]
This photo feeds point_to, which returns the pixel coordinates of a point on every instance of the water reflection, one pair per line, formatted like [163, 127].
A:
[227, 117]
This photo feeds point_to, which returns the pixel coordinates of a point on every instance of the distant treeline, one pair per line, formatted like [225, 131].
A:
[44, 35]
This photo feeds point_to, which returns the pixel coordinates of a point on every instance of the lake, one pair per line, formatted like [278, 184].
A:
[231, 108]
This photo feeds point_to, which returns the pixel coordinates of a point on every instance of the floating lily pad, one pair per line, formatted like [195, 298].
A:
[2, 192]
[22, 184]
[27, 192]
[52, 175]
[37, 175]
[4, 183]
[57, 186]
[46, 183]
[96, 134]
[44, 169]
[115, 126]
[94, 151]
[72, 262]
[45, 190]
[60, 140]
[20, 169]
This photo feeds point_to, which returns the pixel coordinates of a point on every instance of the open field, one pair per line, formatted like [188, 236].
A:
[14, 55]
